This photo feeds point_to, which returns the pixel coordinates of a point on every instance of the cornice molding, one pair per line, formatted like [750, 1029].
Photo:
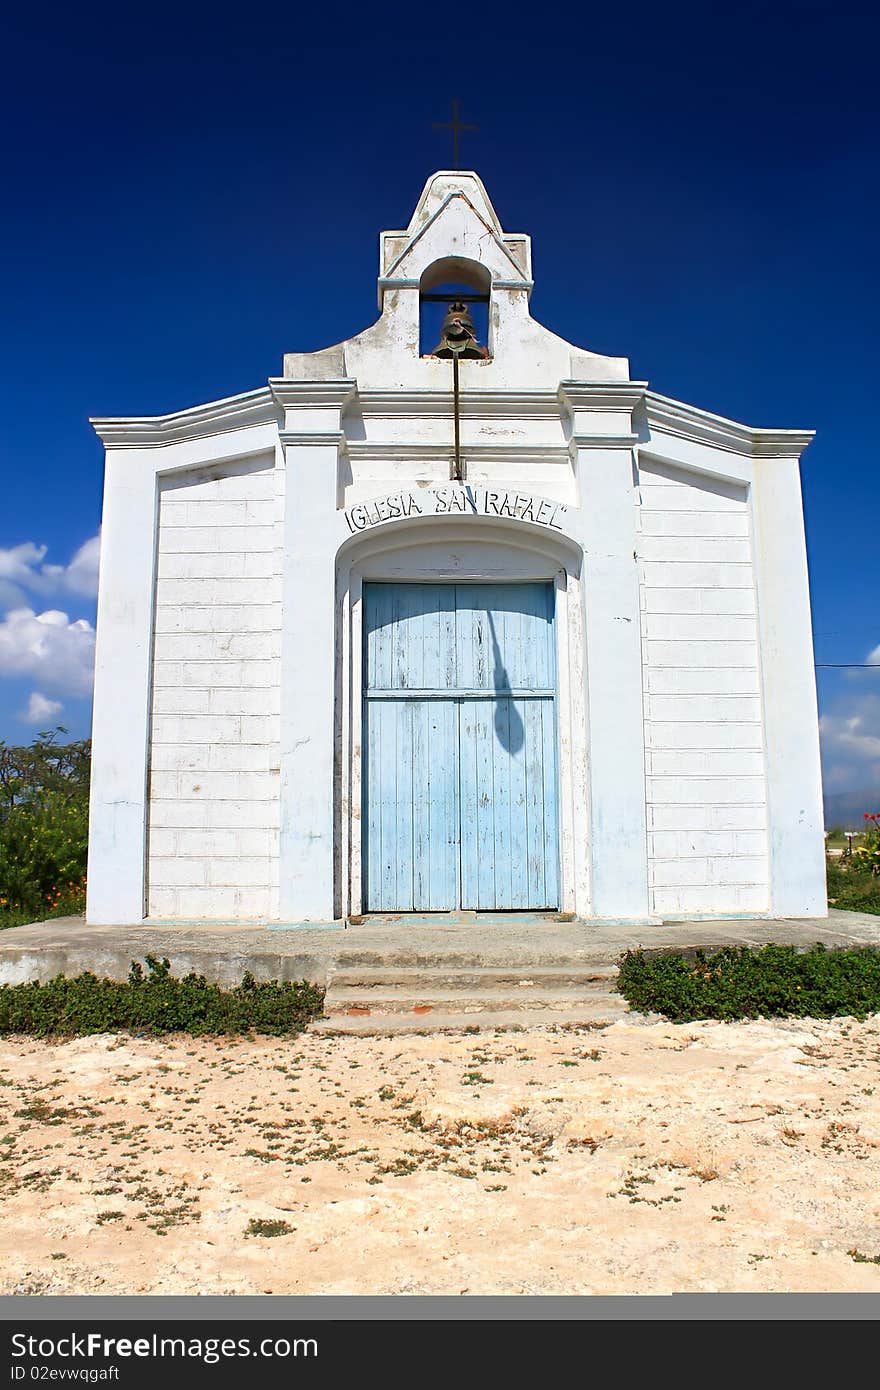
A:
[668, 416]
[601, 395]
[391, 282]
[604, 441]
[305, 394]
[264, 406]
[244, 411]
[388, 282]
[312, 438]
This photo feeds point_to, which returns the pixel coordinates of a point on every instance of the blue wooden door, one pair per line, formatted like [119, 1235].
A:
[460, 802]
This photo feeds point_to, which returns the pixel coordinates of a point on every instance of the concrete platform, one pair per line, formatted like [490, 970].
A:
[461, 942]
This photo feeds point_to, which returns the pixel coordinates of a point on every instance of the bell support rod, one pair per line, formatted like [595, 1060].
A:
[457, 474]
[458, 339]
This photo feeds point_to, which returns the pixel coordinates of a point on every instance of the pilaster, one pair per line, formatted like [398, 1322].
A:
[602, 442]
[791, 724]
[311, 437]
[123, 658]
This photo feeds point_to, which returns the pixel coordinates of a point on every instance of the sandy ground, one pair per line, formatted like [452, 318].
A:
[640, 1157]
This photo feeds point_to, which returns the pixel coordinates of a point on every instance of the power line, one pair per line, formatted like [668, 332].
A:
[848, 665]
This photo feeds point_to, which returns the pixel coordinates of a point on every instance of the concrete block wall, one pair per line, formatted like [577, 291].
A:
[214, 737]
[704, 736]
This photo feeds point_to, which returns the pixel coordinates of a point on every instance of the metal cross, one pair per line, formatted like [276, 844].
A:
[455, 125]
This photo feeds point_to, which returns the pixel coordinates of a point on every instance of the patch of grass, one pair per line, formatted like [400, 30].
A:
[46, 1114]
[156, 1002]
[258, 1227]
[862, 1259]
[400, 1168]
[739, 982]
[852, 887]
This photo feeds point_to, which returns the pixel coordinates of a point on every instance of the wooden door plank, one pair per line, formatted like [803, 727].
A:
[406, 787]
[499, 743]
[485, 738]
[388, 805]
[444, 855]
[551, 803]
[421, 808]
[534, 777]
[520, 896]
[467, 776]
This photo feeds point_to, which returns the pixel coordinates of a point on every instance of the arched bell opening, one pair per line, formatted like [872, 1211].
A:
[454, 295]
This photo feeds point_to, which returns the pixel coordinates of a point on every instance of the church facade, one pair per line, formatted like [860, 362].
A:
[490, 628]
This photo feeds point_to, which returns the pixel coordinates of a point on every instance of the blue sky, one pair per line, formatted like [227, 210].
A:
[187, 195]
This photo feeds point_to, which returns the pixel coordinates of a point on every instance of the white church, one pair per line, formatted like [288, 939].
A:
[453, 616]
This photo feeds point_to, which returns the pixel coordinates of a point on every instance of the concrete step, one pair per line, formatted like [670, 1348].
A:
[475, 977]
[385, 1000]
[594, 1015]
[487, 953]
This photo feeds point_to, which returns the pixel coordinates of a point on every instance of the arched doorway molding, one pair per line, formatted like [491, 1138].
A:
[474, 549]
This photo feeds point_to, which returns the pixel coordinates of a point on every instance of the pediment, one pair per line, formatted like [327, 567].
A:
[437, 190]
[454, 217]
[456, 230]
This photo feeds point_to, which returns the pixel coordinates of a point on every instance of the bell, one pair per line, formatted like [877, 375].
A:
[458, 337]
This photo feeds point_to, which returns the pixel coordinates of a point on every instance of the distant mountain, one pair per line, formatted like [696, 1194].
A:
[847, 809]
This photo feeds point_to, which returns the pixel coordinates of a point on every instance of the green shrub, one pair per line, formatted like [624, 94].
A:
[853, 886]
[155, 1002]
[258, 1227]
[739, 982]
[866, 854]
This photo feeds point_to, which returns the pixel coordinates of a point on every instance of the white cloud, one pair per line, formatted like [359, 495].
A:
[22, 571]
[873, 657]
[19, 562]
[82, 572]
[11, 596]
[81, 575]
[18, 569]
[41, 710]
[59, 653]
[850, 735]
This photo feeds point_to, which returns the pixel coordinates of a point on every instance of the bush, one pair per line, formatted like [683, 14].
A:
[867, 853]
[740, 982]
[852, 886]
[156, 1002]
[258, 1227]
[44, 814]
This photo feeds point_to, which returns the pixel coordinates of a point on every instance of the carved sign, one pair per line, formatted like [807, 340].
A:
[456, 501]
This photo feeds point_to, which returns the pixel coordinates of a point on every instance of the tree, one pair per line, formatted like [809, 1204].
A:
[44, 814]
